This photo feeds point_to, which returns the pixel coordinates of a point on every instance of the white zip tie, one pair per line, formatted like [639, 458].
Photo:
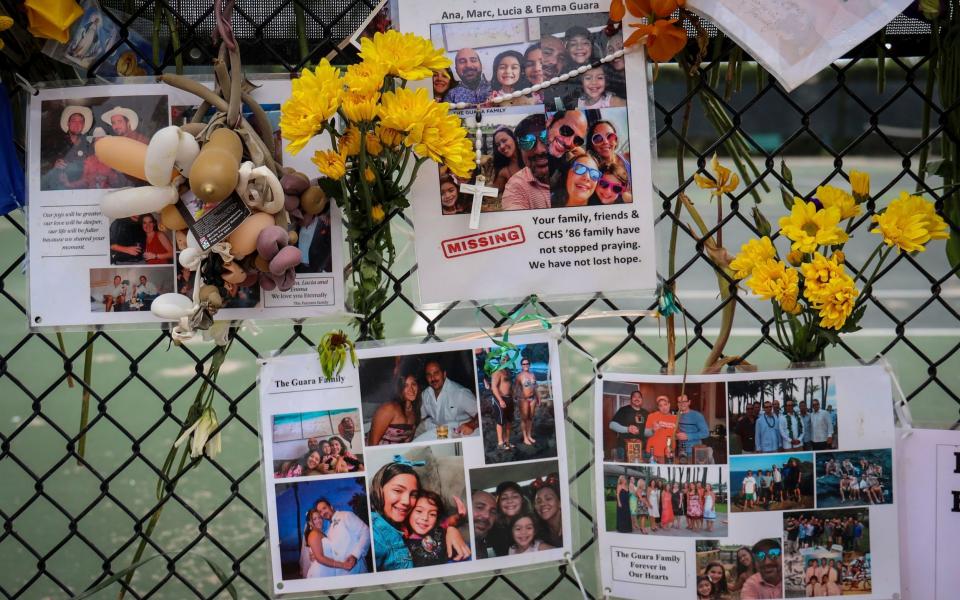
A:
[22, 82]
[900, 406]
[576, 574]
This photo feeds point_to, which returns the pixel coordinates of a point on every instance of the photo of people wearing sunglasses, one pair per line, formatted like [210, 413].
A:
[577, 180]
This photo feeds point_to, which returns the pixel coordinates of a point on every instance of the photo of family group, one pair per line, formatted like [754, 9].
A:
[516, 508]
[418, 397]
[418, 506]
[739, 569]
[317, 443]
[129, 288]
[827, 553]
[566, 146]
[70, 129]
[782, 415]
[772, 482]
[665, 500]
[495, 58]
[516, 403]
[323, 527]
[664, 423]
[138, 240]
[856, 478]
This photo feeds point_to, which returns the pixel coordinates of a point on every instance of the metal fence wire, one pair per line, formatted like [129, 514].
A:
[71, 521]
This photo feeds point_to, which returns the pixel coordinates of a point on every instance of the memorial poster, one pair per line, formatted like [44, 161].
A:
[87, 269]
[418, 464]
[567, 195]
[746, 486]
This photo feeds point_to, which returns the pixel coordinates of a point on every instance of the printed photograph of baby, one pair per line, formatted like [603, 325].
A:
[418, 506]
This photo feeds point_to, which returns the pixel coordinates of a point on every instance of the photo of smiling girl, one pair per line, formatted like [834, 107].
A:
[408, 519]
[508, 77]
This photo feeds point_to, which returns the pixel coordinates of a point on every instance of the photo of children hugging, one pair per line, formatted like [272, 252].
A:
[418, 515]
[516, 509]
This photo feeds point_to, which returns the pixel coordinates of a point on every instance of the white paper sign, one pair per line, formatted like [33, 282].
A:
[86, 269]
[374, 463]
[929, 488]
[796, 39]
[573, 213]
[746, 486]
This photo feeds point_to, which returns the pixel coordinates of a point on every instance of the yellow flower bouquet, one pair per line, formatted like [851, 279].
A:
[384, 133]
[814, 298]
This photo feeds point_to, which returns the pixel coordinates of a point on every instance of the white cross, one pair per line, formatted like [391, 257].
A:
[479, 190]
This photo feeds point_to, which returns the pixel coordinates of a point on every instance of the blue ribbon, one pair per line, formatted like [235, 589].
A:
[408, 463]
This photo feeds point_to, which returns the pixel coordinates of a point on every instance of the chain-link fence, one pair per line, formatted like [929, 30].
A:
[70, 521]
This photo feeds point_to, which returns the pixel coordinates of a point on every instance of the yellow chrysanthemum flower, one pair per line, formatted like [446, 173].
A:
[330, 163]
[809, 228]
[369, 176]
[349, 142]
[909, 222]
[365, 77]
[376, 213]
[774, 280]
[836, 302]
[389, 136]
[358, 107]
[818, 273]
[832, 197]
[751, 254]
[428, 128]
[374, 147]
[405, 55]
[724, 180]
[314, 99]
[860, 185]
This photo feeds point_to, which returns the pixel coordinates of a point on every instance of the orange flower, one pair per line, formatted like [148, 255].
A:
[660, 8]
[664, 39]
[617, 11]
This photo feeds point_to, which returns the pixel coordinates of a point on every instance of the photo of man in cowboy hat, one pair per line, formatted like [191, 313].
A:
[69, 133]
[70, 149]
[124, 122]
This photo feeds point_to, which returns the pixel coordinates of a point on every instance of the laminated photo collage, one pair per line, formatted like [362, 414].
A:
[758, 486]
[422, 462]
[565, 146]
[113, 269]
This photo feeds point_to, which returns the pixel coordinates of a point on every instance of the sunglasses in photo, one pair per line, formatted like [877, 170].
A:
[614, 187]
[528, 140]
[771, 553]
[598, 138]
[580, 169]
[567, 131]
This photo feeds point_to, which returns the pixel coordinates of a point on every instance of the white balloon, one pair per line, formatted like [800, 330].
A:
[172, 307]
[187, 151]
[161, 154]
[137, 201]
[190, 258]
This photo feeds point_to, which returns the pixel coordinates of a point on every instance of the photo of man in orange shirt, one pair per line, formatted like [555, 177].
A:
[661, 427]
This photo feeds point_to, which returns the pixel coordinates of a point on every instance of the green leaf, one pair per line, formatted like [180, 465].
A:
[115, 578]
[953, 249]
[222, 576]
[939, 167]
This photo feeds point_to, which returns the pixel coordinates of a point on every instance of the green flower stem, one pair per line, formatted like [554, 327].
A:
[300, 18]
[413, 176]
[166, 484]
[85, 399]
[730, 307]
[868, 287]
